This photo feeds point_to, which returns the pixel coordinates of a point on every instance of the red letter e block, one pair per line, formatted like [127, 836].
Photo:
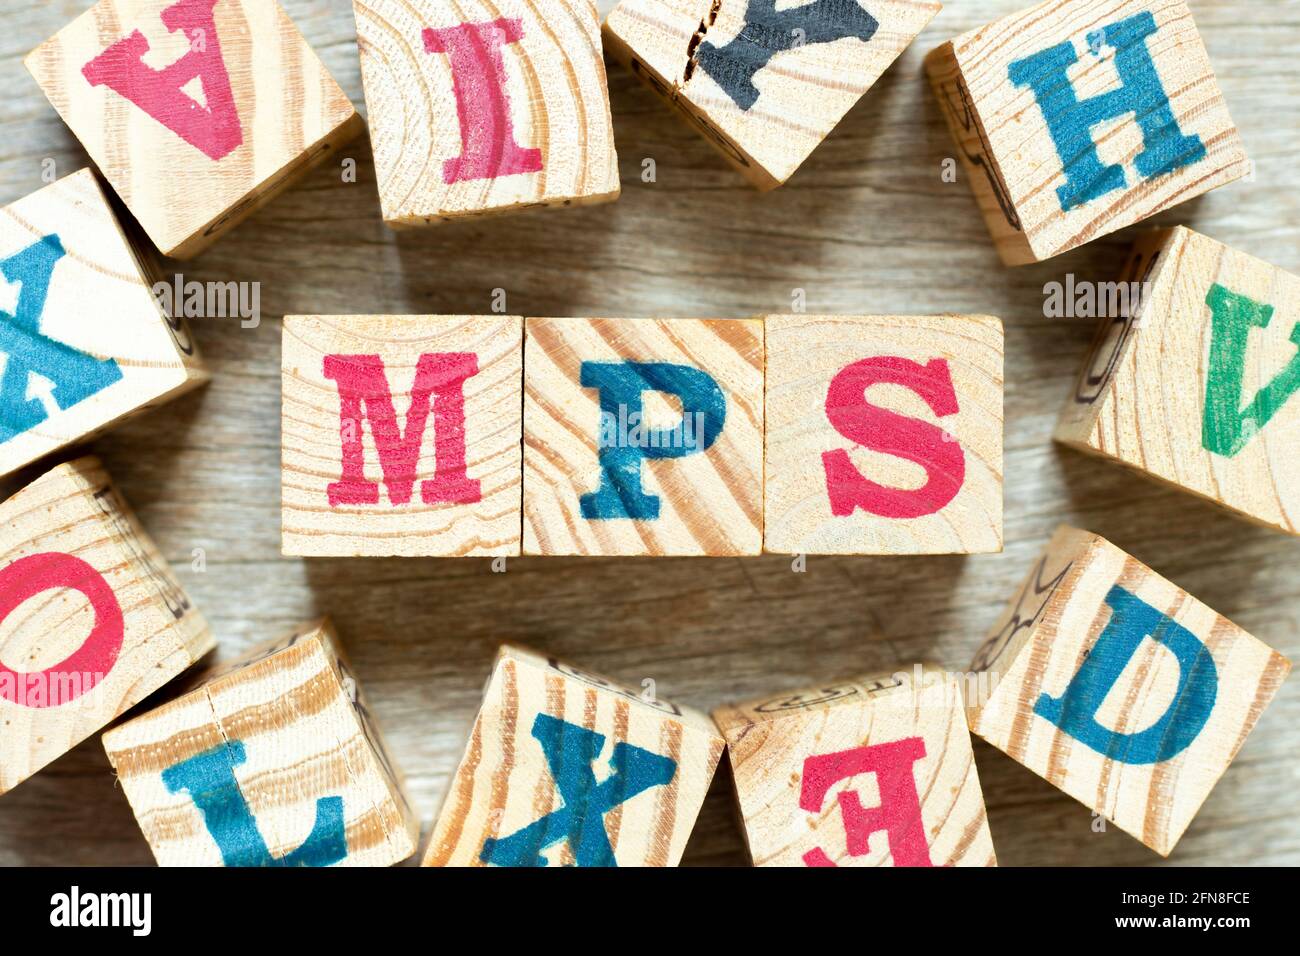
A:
[870, 772]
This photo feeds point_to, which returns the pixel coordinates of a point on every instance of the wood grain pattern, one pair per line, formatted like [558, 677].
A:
[87, 639]
[868, 225]
[698, 53]
[505, 781]
[95, 274]
[1143, 395]
[294, 708]
[781, 745]
[1007, 147]
[291, 113]
[709, 500]
[556, 101]
[487, 430]
[1055, 624]
[805, 354]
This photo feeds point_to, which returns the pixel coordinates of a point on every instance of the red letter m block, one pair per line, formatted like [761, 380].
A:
[366, 396]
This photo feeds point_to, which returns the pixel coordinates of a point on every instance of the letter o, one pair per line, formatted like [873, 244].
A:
[30, 576]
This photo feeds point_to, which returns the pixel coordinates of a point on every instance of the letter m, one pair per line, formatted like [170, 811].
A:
[366, 396]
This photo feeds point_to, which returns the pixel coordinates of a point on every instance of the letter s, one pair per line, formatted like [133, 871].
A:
[881, 430]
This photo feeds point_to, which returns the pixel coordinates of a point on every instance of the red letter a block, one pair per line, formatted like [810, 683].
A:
[485, 108]
[869, 772]
[196, 111]
[213, 128]
[401, 435]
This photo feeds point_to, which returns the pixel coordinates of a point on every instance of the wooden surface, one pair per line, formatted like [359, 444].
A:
[868, 225]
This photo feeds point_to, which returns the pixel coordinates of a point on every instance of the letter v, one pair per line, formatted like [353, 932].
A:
[214, 129]
[1226, 427]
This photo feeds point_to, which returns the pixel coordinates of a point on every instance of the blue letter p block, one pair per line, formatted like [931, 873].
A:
[624, 443]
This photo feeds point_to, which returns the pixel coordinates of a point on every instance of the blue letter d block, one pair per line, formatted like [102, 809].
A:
[209, 779]
[1132, 620]
[624, 444]
[1071, 120]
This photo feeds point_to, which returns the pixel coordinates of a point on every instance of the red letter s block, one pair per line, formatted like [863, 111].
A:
[881, 430]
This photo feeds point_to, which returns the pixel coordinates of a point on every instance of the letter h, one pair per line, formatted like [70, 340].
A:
[1071, 120]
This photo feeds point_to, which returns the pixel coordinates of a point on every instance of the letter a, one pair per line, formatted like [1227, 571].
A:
[214, 129]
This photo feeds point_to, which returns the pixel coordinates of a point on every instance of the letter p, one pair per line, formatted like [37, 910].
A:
[624, 444]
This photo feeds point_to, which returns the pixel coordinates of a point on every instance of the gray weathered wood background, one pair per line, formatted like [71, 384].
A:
[866, 226]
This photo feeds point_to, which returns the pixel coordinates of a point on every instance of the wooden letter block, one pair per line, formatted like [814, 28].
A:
[401, 434]
[1119, 687]
[1076, 118]
[643, 436]
[91, 619]
[480, 108]
[273, 761]
[764, 86]
[83, 341]
[869, 772]
[196, 111]
[1198, 385]
[884, 434]
[564, 768]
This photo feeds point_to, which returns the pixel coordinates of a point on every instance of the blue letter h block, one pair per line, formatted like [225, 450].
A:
[1071, 120]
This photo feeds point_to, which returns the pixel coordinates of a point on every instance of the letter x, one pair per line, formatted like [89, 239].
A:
[75, 376]
[570, 752]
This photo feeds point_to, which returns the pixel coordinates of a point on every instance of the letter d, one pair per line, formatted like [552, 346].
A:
[1132, 620]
